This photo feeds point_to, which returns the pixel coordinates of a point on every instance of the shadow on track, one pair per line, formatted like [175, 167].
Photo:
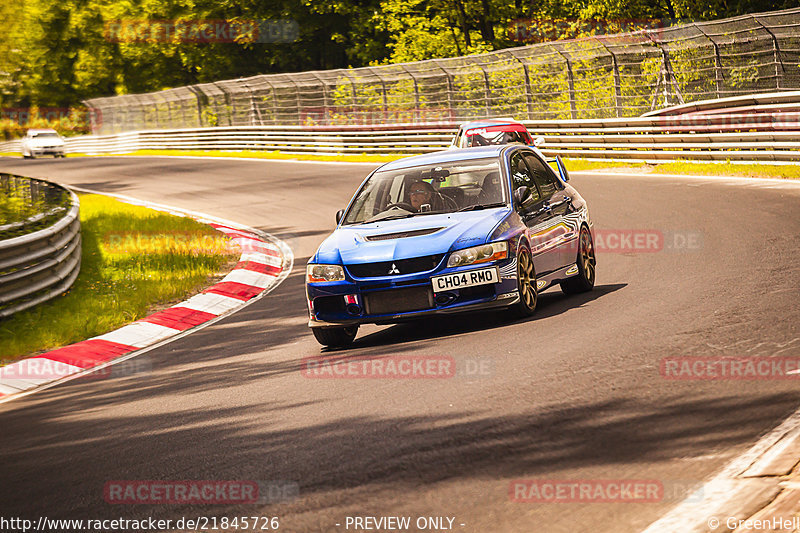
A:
[550, 304]
[364, 456]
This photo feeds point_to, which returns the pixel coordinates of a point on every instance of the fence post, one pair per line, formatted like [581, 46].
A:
[571, 81]
[528, 94]
[417, 110]
[385, 96]
[193, 90]
[776, 51]
[449, 87]
[617, 81]
[718, 79]
[324, 94]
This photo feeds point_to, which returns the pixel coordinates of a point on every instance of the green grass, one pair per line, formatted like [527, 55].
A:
[791, 172]
[134, 261]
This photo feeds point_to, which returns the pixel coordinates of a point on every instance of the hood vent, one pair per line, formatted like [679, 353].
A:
[401, 234]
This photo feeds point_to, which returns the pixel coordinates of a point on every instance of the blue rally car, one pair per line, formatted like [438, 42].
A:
[448, 232]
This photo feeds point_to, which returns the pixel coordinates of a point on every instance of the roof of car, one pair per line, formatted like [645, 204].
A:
[490, 122]
[42, 130]
[446, 156]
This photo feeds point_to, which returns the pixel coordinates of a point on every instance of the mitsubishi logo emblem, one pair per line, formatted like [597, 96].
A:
[394, 269]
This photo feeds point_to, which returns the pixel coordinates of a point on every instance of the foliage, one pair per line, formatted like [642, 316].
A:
[115, 286]
[61, 53]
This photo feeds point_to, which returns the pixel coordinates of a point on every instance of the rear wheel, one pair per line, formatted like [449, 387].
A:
[586, 262]
[335, 337]
[526, 284]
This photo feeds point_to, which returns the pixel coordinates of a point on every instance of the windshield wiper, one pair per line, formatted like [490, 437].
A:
[482, 206]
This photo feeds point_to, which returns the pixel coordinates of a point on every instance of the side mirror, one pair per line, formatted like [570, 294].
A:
[562, 169]
[538, 141]
[339, 215]
[522, 196]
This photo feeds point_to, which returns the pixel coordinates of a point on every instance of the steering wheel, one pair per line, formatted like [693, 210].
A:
[401, 205]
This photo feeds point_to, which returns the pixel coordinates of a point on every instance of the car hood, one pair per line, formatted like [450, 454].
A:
[45, 141]
[442, 233]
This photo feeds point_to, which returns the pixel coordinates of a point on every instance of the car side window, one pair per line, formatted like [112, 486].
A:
[542, 175]
[521, 175]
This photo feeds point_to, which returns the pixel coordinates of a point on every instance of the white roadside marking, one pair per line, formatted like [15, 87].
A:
[139, 334]
[248, 277]
[262, 259]
[8, 389]
[216, 304]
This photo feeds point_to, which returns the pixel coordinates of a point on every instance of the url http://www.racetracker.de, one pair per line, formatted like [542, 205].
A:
[197, 523]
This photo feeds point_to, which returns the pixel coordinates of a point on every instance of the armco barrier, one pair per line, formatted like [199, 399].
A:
[40, 265]
[759, 128]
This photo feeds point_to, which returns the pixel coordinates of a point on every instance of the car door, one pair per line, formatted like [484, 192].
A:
[535, 214]
[560, 204]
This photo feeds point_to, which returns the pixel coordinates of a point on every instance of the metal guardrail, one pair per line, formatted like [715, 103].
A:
[40, 265]
[761, 134]
[603, 76]
[759, 128]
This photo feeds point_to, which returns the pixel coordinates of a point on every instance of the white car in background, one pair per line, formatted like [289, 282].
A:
[42, 142]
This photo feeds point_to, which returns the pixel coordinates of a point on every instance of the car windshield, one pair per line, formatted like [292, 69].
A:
[482, 137]
[441, 188]
[45, 134]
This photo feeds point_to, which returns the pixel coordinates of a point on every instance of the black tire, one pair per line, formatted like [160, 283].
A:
[335, 337]
[587, 262]
[526, 284]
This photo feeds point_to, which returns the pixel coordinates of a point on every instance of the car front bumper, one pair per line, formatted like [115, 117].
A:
[353, 302]
[52, 150]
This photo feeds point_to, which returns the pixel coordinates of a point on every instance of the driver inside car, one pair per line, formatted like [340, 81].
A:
[421, 193]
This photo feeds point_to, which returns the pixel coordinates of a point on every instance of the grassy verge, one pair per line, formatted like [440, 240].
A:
[134, 261]
[791, 172]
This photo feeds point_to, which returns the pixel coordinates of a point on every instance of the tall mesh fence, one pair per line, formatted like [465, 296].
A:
[604, 76]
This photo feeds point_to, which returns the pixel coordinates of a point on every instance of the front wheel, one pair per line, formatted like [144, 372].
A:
[526, 284]
[335, 337]
[586, 262]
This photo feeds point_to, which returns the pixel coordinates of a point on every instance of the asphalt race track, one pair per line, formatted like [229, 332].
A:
[575, 392]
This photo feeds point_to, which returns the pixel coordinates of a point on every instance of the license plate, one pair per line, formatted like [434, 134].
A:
[461, 280]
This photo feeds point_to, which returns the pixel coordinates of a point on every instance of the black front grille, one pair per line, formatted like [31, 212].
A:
[395, 268]
[402, 234]
[398, 300]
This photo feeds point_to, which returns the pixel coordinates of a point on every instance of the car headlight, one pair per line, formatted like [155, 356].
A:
[318, 273]
[478, 254]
